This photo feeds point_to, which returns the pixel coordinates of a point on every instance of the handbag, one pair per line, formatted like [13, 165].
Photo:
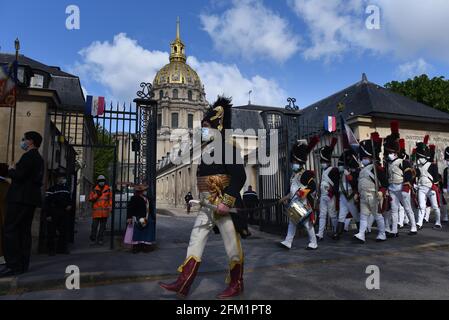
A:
[129, 234]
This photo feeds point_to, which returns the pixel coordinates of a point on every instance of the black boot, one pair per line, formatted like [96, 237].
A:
[339, 232]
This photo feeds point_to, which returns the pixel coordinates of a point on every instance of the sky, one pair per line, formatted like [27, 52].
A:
[306, 49]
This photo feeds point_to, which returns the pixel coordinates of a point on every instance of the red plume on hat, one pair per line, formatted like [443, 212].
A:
[402, 144]
[426, 139]
[334, 143]
[313, 143]
[376, 137]
[394, 126]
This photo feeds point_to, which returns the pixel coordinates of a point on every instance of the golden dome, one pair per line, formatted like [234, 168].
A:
[177, 71]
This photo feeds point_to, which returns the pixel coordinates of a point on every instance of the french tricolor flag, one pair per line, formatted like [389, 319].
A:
[94, 106]
[330, 124]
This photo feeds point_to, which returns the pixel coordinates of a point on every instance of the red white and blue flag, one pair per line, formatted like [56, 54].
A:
[349, 136]
[95, 106]
[8, 85]
[330, 124]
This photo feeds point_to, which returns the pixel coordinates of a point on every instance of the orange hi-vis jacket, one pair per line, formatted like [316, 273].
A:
[102, 205]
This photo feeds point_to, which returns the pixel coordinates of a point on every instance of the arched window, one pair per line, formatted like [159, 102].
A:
[161, 94]
[175, 93]
[190, 95]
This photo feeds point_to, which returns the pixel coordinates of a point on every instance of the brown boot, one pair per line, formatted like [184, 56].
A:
[235, 286]
[188, 273]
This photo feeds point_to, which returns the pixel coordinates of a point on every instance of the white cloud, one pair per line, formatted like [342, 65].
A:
[414, 68]
[408, 28]
[228, 80]
[120, 66]
[249, 29]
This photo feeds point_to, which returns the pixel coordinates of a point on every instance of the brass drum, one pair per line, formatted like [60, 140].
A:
[298, 212]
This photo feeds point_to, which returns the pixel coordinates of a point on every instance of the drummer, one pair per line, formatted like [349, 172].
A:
[302, 188]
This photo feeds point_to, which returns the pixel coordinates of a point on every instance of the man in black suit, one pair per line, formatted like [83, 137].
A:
[23, 197]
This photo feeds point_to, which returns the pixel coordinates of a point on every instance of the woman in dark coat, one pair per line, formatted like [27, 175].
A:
[139, 215]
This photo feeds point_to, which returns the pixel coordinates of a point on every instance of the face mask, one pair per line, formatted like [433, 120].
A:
[24, 146]
[324, 166]
[392, 157]
[205, 134]
[366, 162]
[101, 184]
[62, 181]
[296, 167]
[341, 168]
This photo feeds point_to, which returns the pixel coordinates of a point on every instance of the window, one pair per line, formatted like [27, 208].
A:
[190, 121]
[174, 120]
[159, 121]
[175, 93]
[161, 94]
[190, 96]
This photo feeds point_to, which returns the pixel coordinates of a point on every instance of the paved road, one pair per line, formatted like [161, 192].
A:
[410, 268]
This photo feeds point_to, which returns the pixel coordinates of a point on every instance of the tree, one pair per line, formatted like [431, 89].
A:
[432, 92]
[103, 157]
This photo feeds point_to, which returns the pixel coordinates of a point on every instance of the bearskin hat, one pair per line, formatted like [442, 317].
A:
[300, 151]
[446, 154]
[326, 151]
[219, 114]
[391, 143]
[422, 149]
[349, 159]
[366, 147]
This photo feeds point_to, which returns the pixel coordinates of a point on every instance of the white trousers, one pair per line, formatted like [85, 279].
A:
[327, 206]
[292, 232]
[425, 193]
[403, 218]
[398, 198]
[367, 208]
[204, 223]
[347, 207]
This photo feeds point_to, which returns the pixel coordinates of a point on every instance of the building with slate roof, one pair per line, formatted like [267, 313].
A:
[370, 107]
[47, 98]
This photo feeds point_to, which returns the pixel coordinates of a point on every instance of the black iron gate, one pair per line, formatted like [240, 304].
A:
[85, 146]
[289, 128]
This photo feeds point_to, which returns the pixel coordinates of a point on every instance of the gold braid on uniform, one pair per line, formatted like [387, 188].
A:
[216, 186]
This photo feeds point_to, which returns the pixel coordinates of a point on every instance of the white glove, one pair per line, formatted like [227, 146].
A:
[444, 190]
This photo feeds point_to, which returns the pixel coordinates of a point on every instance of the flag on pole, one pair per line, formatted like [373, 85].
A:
[94, 106]
[350, 136]
[330, 124]
[8, 85]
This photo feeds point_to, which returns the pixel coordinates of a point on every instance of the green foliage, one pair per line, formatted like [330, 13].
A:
[432, 92]
[103, 157]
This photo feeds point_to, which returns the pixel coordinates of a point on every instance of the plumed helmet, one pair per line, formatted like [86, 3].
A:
[402, 152]
[422, 149]
[391, 142]
[326, 151]
[349, 159]
[366, 149]
[300, 151]
[219, 114]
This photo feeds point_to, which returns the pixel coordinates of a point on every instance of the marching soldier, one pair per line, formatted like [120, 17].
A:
[372, 186]
[329, 188]
[302, 188]
[219, 184]
[349, 173]
[445, 181]
[427, 175]
[400, 179]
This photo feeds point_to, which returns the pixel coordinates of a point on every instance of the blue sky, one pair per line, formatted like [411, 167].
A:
[305, 49]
